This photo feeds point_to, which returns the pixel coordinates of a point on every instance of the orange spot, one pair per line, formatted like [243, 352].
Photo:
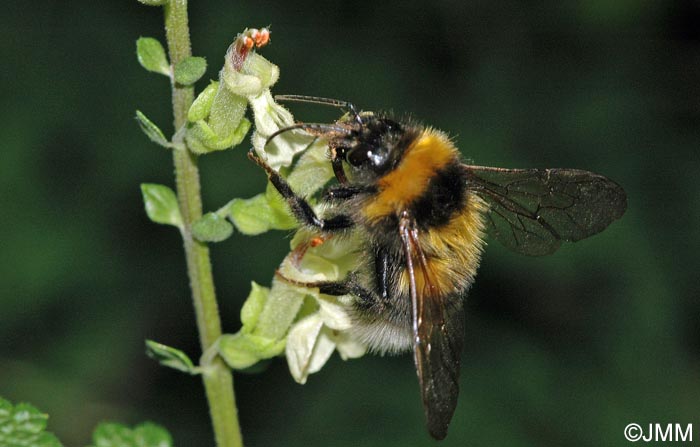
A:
[318, 240]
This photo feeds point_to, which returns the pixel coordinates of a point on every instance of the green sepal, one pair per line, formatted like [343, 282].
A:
[161, 204]
[24, 425]
[148, 434]
[151, 55]
[153, 2]
[243, 350]
[253, 306]
[189, 70]
[170, 357]
[212, 228]
[261, 213]
[201, 106]
[227, 111]
[201, 139]
[152, 131]
[223, 127]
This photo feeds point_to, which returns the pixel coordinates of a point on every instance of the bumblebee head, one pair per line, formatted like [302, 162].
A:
[370, 148]
[370, 144]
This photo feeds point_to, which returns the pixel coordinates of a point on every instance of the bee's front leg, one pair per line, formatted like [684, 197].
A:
[298, 205]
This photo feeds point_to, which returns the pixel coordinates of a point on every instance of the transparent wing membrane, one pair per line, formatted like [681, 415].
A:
[533, 210]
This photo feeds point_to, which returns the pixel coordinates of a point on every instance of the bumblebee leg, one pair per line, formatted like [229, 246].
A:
[340, 193]
[300, 207]
[348, 286]
[381, 267]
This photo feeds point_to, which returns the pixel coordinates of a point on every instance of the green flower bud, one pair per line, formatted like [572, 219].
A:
[217, 119]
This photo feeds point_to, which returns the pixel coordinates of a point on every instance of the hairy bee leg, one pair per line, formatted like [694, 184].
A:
[300, 207]
[339, 193]
[348, 286]
[337, 165]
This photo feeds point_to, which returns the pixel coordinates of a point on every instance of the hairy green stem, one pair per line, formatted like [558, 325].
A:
[218, 381]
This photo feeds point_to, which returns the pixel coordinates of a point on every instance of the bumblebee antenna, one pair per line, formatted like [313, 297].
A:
[328, 128]
[325, 101]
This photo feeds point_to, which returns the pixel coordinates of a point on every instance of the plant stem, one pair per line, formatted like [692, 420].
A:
[218, 381]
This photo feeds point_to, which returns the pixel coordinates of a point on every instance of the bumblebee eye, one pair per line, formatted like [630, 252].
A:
[358, 156]
[366, 155]
[377, 160]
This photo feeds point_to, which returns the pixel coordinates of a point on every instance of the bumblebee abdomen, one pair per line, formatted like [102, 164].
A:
[453, 249]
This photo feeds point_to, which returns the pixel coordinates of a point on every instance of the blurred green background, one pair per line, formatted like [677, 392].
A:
[562, 350]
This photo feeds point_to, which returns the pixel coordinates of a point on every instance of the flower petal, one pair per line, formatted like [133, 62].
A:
[348, 347]
[257, 74]
[269, 118]
[333, 313]
[322, 351]
[300, 346]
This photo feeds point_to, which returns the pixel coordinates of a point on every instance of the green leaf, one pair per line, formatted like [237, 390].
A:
[24, 425]
[189, 70]
[148, 434]
[170, 357]
[201, 106]
[151, 55]
[110, 434]
[153, 2]
[212, 228]
[161, 204]
[152, 131]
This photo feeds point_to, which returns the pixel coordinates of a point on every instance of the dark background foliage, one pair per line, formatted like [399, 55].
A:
[562, 350]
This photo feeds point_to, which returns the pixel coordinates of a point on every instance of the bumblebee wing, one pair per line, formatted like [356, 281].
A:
[438, 335]
[533, 210]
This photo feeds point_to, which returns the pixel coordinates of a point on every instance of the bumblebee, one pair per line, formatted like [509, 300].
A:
[424, 215]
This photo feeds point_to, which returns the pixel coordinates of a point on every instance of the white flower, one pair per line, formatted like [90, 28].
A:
[314, 325]
[313, 338]
[256, 74]
[310, 343]
[269, 118]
